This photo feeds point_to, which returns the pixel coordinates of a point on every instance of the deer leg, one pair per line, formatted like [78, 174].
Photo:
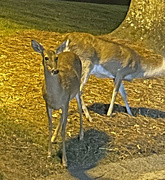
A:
[81, 133]
[55, 134]
[114, 94]
[85, 110]
[124, 96]
[49, 113]
[63, 123]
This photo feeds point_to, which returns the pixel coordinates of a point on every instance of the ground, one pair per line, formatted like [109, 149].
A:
[108, 142]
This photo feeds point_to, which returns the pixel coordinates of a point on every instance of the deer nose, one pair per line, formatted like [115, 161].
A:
[54, 71]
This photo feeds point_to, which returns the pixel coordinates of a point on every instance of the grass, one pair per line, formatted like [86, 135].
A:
[60, 16]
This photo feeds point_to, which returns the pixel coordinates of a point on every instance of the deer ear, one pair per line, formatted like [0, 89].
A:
[67, 43]
[63, 47]
[37, 47]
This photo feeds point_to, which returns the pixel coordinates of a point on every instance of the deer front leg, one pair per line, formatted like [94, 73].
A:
[55, 134]
[84, 108]
[49, 114]
[63, 132]
[81, 133]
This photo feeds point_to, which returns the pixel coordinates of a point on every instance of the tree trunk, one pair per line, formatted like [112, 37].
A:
[145, 24]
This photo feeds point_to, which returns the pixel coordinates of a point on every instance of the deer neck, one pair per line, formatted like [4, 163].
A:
[52, 83]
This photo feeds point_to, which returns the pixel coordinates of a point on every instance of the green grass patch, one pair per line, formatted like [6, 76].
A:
[60, 16]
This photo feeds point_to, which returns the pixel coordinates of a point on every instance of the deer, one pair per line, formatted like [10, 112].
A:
[62, 79]
[109, 59]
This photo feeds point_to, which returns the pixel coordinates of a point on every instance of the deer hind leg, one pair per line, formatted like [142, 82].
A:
[81, 134]
[49, 113]
[114, 94]
[63, 132]
[124, 96]
[120, 87]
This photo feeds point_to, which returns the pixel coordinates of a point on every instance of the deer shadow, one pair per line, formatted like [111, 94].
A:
[85, 154]
[103, 108]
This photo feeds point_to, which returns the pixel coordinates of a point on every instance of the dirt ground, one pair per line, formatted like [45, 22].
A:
[107, 141]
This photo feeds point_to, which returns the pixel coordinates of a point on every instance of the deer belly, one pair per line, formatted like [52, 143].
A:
[100, 72]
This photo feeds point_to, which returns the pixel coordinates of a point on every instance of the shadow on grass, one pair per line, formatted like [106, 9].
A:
[84, 155]
[103, 108]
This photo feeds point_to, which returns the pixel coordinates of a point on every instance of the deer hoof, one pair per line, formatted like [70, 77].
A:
[49, 155]
[81, 136]
[64, 163]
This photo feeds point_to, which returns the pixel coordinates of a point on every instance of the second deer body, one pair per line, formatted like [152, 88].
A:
[62, 83]
[107, 59]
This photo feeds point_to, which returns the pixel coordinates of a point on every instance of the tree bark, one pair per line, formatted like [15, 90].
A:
[145, 24]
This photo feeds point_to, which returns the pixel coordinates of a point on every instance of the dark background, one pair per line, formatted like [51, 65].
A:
[119, 2]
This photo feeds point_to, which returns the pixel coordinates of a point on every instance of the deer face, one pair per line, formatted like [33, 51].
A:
[49, 57]
[50, 61]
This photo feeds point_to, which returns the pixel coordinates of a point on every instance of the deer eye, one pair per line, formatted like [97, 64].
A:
[46, 58]
[56, 58]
